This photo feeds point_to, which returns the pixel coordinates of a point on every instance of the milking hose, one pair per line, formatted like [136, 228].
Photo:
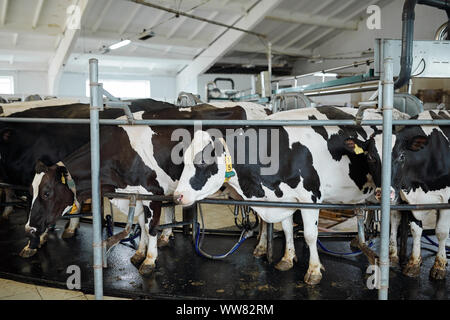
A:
[244, 236]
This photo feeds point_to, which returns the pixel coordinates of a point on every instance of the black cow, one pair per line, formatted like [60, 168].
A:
[133, 159]
[421, 174]
[22, 144]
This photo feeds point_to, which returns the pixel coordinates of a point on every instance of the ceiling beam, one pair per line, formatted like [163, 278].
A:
[275, 50]
[161, 40]
[315, 20]
[202, 25]
[4, 10]
[187, 78]
[15, 39]
[177, 26]
[102, 15]
[308, 31]
[64, 49]
[326, 32]
[37, 13]
[237, 7]
[130, 19]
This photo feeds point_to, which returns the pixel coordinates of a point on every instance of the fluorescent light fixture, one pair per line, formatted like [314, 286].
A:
[120, 44]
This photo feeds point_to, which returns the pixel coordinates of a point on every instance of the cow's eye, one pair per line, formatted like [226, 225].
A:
[401, 158]
[46, 195]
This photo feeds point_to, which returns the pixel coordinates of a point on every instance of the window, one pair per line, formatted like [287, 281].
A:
[6, 85]
[129, 89]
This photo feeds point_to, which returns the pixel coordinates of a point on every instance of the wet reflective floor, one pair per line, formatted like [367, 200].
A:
[182, 274]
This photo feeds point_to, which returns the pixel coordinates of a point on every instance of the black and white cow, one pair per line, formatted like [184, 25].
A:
[420, 175]
[134, 159]
[22, 144]
[337, 164]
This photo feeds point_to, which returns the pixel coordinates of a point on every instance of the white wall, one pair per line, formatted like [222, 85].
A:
[427, 21]
[74, 84]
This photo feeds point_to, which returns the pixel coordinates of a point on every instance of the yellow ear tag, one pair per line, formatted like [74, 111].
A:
[229, 169]
[63, 179]
[358, 149]
[74, 209]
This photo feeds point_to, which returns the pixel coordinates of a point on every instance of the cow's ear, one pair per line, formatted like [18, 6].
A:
[40, 167]
[6, 134]
[61, 174]
[417, 143]
[351, 146]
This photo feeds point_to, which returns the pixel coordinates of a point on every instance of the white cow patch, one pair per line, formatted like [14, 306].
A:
[141, 141]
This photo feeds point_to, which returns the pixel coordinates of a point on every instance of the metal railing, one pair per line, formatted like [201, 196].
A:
[387, 122]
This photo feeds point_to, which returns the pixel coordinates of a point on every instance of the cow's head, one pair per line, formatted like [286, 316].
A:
[51, 198]
[204, 169]
[409, 155]
[365, 154]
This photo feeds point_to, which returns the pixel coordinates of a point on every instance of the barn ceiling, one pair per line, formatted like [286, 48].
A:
[33, 33]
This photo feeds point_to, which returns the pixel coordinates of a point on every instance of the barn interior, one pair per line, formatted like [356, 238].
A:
[285, 54]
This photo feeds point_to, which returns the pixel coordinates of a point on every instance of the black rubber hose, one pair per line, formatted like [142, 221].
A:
[440, 4]
[408, 17]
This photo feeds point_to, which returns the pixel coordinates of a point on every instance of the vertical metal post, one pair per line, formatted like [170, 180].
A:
[388, 102]
[269, 63]
[269, 242]
[96, 105]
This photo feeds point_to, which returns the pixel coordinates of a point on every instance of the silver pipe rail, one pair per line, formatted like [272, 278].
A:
[97, 243]
[95, 122]
[388, 106]
[354, 64]
[231, 123]
[278, 204]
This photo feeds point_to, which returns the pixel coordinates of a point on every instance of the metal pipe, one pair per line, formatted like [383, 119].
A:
[440, 4]
[181, 13]
[232, 123]
[354, 64]
[96, 106]
[406, 61]
[388, 106]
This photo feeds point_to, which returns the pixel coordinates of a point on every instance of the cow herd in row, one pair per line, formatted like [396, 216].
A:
[315, 164]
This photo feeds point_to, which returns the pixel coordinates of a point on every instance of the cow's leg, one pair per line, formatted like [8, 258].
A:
[412, 268]
[9, 197]
[169, 217]
[261, 247]
[287, 262]
[396, 217]
[139, 256]
[439, 269]
[310, 222]
[149, 263]
[71, 228]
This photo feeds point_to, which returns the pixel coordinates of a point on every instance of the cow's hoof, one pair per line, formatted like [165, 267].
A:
[146, 270]
[284, 265]
[137, 259]
[312, 279]
[69, 234]
[27, 252]
[412, 269]
[163, 242]
[259, 252]
[438, 271]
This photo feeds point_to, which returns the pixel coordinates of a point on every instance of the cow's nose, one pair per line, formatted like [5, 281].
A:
[177, 198]
[378, 194]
